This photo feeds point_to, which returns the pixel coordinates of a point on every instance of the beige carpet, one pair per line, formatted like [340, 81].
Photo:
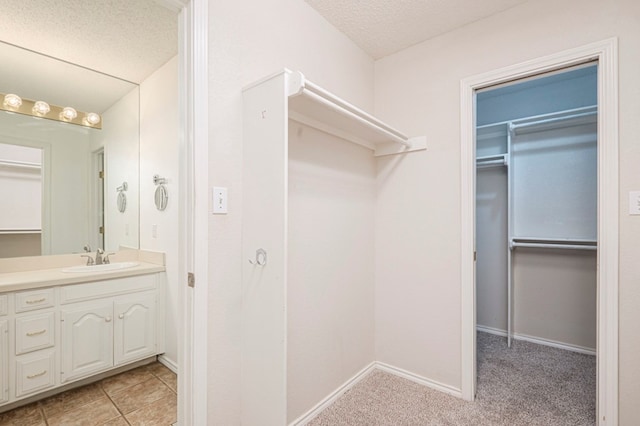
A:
[528, 384]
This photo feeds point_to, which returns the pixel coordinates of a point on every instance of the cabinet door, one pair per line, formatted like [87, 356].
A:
[4, 361]
[87, 339]
[135, 328]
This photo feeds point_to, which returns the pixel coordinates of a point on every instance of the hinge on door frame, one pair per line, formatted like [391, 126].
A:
[475, 256]
[101, 230]
[191, 279]
[101, 174]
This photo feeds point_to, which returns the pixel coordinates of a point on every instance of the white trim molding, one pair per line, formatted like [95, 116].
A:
[333, 396]
[376, 365]
[538, 340]
[193, 217]
[606, 54]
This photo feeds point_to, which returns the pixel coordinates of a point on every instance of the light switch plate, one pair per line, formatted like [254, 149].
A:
[219, 200]
[634, 202]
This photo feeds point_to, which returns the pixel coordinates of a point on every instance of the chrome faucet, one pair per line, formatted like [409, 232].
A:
[99, 254]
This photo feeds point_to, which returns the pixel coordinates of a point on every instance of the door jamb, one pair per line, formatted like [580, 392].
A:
[193, 21]
[606, 53]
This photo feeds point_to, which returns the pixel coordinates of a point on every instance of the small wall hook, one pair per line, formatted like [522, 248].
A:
[261, 258]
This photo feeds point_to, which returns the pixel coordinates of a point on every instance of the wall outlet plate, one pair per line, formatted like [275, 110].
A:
[634, 202]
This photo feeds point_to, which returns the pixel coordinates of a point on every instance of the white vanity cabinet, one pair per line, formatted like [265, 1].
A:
[101, 334]
[135, 328]
[87, 339]
[56, 335]
[4, 361]
[4, 350]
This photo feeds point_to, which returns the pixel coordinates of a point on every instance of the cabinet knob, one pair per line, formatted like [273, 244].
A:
[108, 319]
[121, 316]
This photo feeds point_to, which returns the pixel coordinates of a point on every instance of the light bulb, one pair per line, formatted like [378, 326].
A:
[68, 113]
[12, 101]
[41, 108]
[92, 118]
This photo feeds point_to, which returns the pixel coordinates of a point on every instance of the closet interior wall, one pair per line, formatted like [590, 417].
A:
[309, 234]
[330, 290]
[554, 290]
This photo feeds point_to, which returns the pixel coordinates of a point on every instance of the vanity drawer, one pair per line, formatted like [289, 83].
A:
[4, 303]
[35, 372]
[35, 332]
[34, 299]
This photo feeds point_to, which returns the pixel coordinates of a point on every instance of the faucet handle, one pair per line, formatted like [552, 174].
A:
[90, 260]
[105, 259]
[87, 248]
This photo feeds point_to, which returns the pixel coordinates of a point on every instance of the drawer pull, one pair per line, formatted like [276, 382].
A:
[33, 376]
[31, 302]
[36, 333]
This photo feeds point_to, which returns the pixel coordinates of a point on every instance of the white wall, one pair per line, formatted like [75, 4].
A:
[120, 135]
[248, 41]
[159, 155]
[330, 282]
[419, 89]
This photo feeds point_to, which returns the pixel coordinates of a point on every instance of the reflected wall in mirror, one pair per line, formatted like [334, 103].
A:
[70, 200]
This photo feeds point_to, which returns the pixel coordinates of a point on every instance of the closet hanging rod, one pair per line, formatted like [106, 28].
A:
[554, 240]
[20, 164]
[357, 117]
[559, 243]
[514, 245]
[299, 86]
[491, 163]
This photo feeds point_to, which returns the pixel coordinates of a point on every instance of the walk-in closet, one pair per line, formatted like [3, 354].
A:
[536, 212]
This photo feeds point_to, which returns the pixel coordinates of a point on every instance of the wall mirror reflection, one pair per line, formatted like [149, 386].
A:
[58, 179]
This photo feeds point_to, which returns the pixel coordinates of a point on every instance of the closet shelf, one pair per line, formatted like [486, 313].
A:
[314, 106]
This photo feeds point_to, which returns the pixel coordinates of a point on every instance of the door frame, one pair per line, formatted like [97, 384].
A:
[193, 243]
[606, 54]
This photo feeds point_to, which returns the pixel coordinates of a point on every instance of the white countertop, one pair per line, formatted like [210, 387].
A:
[45, 272]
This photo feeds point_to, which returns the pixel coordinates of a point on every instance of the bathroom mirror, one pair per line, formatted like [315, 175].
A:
[79, 168]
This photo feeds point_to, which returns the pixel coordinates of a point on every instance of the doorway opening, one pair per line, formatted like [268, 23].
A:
[536, 244]
[605, 54]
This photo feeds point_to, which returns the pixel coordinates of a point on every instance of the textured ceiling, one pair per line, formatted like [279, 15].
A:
[128, 39]
[383, 27]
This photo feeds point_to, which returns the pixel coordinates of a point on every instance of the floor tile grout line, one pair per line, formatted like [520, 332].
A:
[145, 405]
[44, 413]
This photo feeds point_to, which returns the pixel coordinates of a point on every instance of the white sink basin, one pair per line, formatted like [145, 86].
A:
[101, 268]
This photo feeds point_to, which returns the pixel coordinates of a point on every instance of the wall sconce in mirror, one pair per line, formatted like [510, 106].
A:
[40, 109]
[122, 197]
[161, 196]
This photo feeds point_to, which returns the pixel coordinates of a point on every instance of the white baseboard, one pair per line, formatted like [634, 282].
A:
[331, 398]
[419, 379]
[538, 340]
[169, 363]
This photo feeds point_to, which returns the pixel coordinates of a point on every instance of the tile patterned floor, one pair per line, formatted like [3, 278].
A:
[144, 396]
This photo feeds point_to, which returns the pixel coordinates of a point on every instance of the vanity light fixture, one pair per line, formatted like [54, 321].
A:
[68, 114]
[40, 108]
[92, 118]
[14, 103]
